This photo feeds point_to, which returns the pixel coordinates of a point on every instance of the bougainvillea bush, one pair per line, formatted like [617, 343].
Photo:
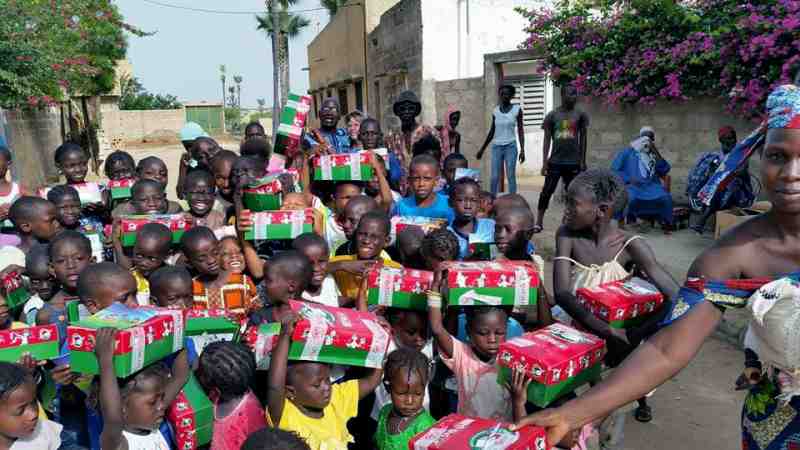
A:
[646, 50]
[53, 48]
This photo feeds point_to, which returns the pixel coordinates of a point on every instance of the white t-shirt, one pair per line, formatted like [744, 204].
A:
[46, 436]
[334, 234]
[152, 441]
[328, 295]
[382, 397]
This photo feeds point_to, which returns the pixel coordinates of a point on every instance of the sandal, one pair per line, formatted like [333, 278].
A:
[537, 229]
[643, 414]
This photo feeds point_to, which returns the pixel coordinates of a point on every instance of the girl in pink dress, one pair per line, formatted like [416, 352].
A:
[226, 371]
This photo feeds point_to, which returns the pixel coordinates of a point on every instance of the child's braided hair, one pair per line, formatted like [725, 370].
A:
[274, 438]
[440, 242]
[408, 360]
[605, 187]
[231, 368]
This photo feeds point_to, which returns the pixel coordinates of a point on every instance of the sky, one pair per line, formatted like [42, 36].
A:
[183, 57]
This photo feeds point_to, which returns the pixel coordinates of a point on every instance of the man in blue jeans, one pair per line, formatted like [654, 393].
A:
[565, 127]
[506, 127]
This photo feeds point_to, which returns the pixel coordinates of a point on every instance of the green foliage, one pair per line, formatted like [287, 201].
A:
[135, 97]
[332, 6]
[288, 23]
[50, 49]
[233, 119]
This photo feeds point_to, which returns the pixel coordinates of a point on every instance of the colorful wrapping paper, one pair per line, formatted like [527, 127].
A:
[511, 283]
[621, 304]
[263, 195]
[343, 166]
[88, 192]
[326, 334]
[461, 432]
[558, 358]
[191, 416]
[14, 290]
[280, 224]
[292, 120]
[146, 335]
[398, 288]
[428, 224]
[41, 342]
[204, 326]
[120, 189]
[131, 225]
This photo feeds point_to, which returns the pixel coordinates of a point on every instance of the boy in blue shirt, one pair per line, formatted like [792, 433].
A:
[465, 200]
[423, 201]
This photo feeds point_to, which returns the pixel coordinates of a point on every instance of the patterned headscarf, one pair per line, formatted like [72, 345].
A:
[783, 107]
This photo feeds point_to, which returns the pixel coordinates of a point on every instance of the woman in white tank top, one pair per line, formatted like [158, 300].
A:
[506, 128]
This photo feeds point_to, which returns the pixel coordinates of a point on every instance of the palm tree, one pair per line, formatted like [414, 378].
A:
[232, 98]
[222, 78]
[332, 5]
[238, 80]
[289, 26]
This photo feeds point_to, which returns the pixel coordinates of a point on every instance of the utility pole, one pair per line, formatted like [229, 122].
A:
[272, 8]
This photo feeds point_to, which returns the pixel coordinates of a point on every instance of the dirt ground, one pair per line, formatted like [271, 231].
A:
[698, 409]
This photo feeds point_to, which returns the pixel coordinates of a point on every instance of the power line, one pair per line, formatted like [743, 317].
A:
[217, 11]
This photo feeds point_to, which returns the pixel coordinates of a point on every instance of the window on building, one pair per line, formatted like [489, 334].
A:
[342, 93]
[359, 96]
[330, 94]
[531, 96]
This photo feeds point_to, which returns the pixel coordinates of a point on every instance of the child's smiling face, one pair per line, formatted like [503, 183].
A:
[231, 256]
[69, 210]
[121, 170]
[200, 196]
[371, 237]
[74, 165]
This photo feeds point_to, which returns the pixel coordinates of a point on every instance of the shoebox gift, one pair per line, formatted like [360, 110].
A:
[88, 192]
[295, 112]
[40, 341]
[343, 166]
[558, 358]
[204, 326]
[191, 416]
[623, 303]
[120, 189]
[145, 335]
[263, 194]
[398, 288]
[131, 225]
[509, 283]
[280, 224]
[461, 432]
[428, 224]
[14, 290]
[325, 334]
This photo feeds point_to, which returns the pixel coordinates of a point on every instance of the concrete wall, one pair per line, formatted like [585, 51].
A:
[683, 131]
[33, 137]
[138, 125]
[394, 56]
[337, 53]
[467, 96]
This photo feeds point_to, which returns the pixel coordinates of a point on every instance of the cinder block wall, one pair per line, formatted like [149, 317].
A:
[683, 132]
[137, 125]
[33, 136]
[466, 95]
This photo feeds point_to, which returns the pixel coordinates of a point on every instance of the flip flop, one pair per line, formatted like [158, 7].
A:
[537, 229]
[643, 414]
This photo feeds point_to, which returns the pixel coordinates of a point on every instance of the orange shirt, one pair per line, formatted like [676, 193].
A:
[238, 294]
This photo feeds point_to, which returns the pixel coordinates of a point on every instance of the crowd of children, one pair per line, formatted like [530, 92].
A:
[71, 245]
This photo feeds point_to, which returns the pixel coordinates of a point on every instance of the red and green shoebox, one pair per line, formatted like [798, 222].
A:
[120, 189]
[280, 224]
[263, 194]
[398, 288]
[343, 166]
[296, 110]
[558, 358]
[481, 283]
[191, 416]
[14, 290]
[622, 304]
[428, 224]
[131, 225]
[204, 326]
[462, 432]
[41, 342]
[88, 192]
[325, 334]
[145, 335]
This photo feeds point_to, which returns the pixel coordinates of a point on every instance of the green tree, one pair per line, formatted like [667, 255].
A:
[135, 97]
[222, 78]
[332, 6]
[289, 26]
[52, 49]
[238, 80]
[261, 103]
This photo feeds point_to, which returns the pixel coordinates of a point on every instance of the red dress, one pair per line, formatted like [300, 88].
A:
[231, 431]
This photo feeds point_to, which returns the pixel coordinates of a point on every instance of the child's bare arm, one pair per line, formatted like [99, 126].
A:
[116, 241]
[277, 370]
[386, 191]
[180, 375]
[519, 393]
[110, 400]
[644, 258]
[361, 301]
[435, 302]
[368, 384]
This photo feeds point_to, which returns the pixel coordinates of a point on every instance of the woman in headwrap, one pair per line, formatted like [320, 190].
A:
[739, 192]
[407, 108]
[755, 265]
[641, 167]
